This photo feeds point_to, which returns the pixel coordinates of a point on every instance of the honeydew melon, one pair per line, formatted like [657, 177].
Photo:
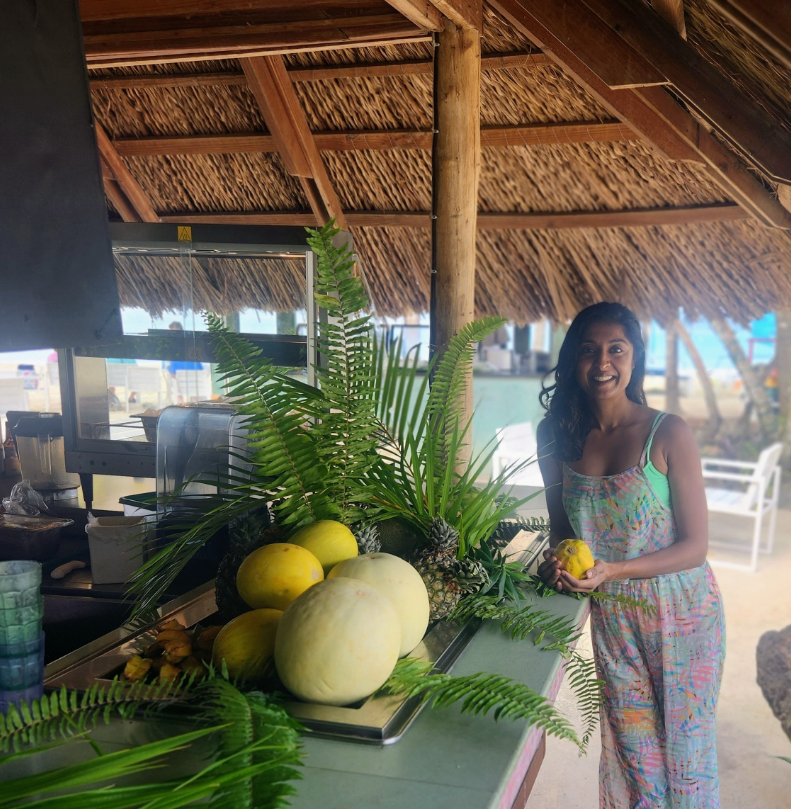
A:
[401, 583]
[338, 642]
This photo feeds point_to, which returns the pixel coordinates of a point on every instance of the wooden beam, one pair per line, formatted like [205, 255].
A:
[421, 13]
[674, 133]
[108, 48]
[552, 220]
[95, 10]
[119, 200]
[378, 140]
[128, 184]
[672, 12]
[365, 70]
[736, 115]
[285, 119]
[462, 13]
[766, 21]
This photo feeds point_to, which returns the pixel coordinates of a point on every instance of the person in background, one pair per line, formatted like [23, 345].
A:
[627, 479]
[179, 365]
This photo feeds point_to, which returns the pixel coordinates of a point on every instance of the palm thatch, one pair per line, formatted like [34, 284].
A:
[738, 269]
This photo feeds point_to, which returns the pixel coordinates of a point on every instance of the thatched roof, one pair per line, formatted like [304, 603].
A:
[739, 268]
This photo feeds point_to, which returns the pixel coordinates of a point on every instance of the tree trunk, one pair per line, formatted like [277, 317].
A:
[783, 365]
[753, 386]
[672, 397]
[715, 419]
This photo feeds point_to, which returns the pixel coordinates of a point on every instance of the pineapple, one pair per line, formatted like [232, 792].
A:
[471, 576]
[439, 569]
[248, 535]
[368, 540]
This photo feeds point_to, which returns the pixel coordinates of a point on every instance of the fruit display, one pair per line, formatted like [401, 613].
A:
[176, 652]
[247, 643]
[329, 541]
[401, 583]
[575, 556]
[274, 575]
[338, 642]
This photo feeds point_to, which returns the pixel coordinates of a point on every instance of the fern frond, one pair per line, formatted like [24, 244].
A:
[65, 714]
[479, 694]
[526, 622]
[253, 717]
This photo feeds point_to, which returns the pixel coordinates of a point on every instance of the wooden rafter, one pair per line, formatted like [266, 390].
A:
[767, 21]
[732, 112]
[285, 119]
[137, 202]
[402, 67]
[421, 13]
[378, 140]
[672, 12]
[464, 13]
[673, 132]
[557, 220]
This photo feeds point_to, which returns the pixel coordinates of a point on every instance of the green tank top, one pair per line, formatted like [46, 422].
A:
[659, 483]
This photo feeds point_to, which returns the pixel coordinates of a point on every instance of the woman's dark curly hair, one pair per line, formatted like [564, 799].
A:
[568, 409]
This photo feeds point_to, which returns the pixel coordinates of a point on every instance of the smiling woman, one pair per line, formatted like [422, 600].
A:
[627, 479]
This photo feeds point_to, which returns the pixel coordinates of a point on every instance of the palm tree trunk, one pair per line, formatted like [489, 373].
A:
[752, 384]
[672, 396]
[715, 419]
[783, 364]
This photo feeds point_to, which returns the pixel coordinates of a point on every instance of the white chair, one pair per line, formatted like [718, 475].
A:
[755, 497]
[517, 444]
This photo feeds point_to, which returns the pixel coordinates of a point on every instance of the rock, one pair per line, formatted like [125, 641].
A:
[774, 674]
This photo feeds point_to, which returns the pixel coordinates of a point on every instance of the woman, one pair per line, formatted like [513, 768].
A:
[627, 479]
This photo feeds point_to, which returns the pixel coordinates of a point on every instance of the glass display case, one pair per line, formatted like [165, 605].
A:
[259, 278]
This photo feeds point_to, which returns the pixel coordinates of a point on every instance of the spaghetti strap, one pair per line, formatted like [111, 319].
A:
[647, 449]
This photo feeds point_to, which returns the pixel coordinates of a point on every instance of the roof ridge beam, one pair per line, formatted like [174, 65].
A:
[429, 14]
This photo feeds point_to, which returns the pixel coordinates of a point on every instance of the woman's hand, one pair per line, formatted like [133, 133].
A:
[598, 574]
[550, 570]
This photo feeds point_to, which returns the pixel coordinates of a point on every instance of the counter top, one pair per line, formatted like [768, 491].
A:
[445, 759]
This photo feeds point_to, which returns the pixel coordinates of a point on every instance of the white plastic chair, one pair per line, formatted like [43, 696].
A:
[755, 498]
[516, 444]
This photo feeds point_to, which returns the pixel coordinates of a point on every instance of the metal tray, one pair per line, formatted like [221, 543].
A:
[377, 720]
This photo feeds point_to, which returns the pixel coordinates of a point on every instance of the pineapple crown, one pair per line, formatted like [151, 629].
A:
[443, 537]
[368, 540]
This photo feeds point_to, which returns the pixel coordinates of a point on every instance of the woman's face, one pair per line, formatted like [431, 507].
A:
[605, 361]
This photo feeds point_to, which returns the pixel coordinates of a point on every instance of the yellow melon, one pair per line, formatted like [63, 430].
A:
[329, 541]
[401, 583]
[576, 557]
[247, 643]
[338, 642]
[273, 576]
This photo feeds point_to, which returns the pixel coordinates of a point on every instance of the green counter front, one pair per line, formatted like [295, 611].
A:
[445, 759]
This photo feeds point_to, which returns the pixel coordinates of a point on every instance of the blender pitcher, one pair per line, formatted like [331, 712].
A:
[39, 438]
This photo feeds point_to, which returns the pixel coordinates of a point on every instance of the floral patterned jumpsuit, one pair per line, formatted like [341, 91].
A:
[662, 668]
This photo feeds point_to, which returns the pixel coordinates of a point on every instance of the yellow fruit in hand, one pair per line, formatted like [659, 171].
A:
[273, 576]
[329, 541]
[576, 557]
[247, 643]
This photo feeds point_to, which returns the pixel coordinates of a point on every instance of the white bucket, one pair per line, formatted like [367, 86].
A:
[117, 545]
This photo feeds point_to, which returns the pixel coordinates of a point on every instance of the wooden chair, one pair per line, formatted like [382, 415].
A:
[754, 497]
[516, 444]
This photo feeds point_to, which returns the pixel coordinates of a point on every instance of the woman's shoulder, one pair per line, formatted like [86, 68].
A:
[673, 434]
[545, 431]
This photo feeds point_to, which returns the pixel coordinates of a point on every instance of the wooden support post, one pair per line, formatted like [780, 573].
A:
[455, 185]
[672, 392]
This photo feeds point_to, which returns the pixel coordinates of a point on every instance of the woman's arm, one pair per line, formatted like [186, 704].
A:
[688, 497]
[560, 529]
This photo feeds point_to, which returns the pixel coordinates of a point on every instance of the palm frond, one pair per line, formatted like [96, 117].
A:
[479, 694]
[65, 714]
